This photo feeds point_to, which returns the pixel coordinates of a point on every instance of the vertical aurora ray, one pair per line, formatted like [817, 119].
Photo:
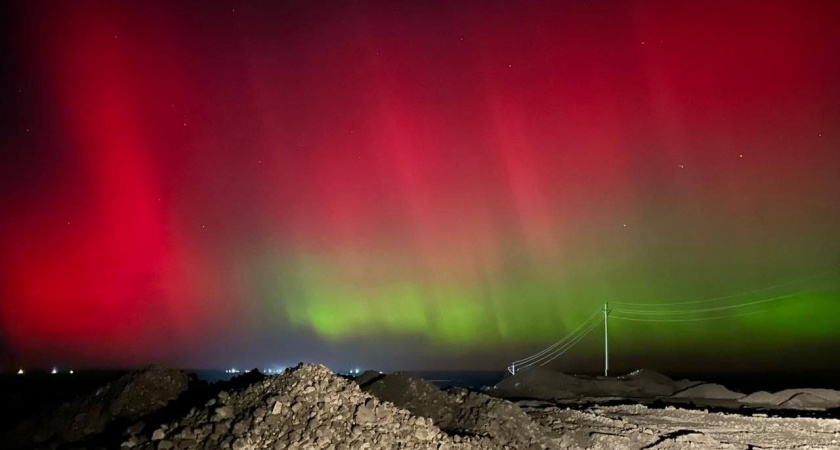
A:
[440, 178]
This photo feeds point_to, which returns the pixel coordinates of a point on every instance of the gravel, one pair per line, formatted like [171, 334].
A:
[128, 398]
[463, 413]
[307, 407]
[310, 408]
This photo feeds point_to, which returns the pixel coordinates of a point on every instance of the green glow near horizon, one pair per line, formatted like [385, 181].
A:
[340, 303]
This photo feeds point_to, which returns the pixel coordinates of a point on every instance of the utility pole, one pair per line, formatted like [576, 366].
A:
[606, 341]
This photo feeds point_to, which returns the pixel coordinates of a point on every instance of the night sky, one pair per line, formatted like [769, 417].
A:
[421, 184]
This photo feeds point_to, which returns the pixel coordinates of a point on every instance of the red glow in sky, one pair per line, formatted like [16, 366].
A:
[163, 159]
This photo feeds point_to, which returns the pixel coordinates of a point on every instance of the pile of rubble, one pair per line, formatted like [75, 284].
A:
[307, 407]
[130, 397]
[463, 413]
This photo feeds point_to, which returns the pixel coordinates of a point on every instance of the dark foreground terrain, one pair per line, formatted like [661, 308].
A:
[309, 407]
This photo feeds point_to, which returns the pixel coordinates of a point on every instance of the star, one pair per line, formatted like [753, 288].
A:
[682, 166]
[741, 155]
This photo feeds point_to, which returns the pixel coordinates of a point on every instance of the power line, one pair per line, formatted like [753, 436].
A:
[559, 347]
[721, 308]
[703, 310]
[561, 341]
[696, 319]
[559, 351]
[572, 338]
[572, 344]
[715, 299]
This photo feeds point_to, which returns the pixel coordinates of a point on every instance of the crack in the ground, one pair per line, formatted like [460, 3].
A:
[593, 433]
[669, 436]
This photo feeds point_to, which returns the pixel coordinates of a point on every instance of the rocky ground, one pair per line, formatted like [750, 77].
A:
[309, 407]
[464, 413]
[135, 395]
[640, 427]
[646, 386]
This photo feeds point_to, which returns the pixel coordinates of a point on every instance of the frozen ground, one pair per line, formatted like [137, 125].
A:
[641, 427]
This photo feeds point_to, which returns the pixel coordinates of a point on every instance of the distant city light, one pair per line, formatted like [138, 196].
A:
[71, 371]
[20, 371]
[54, 371]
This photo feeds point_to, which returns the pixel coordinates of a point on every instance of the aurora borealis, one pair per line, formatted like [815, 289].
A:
[415, 184]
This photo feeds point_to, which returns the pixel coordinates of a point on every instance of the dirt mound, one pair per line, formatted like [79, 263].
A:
[304, 408]
[539, 383]
[681, 385]
[367, 377]
[795, 399]
[127, 398]
[503, 422]
[417, 395]
[760, 398]
[646, 376]
[708, 391]
[461, 412]
[805, 400]
[829, 395]
[545, 384]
